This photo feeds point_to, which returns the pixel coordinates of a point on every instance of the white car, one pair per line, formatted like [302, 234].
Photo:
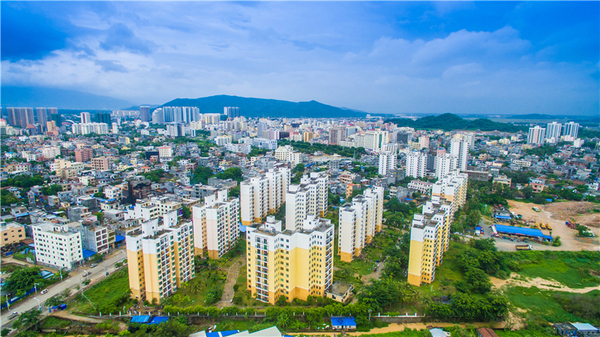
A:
[44, 291]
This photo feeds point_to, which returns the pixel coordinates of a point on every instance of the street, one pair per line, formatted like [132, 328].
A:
[75, 279]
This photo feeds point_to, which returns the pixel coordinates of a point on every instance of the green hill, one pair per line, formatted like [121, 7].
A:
[449, 122]
[260, 107]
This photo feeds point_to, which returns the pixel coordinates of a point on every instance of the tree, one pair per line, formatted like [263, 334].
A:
[31, 317]
[172, 328]
[22, 280]
[99, 216]
[233, 173]
[100, 195]
[201, 175]
[281, 301]
[299, 168]
[8, 198]
[97, 258]
[51, 190]
[54, 301]
[187, 212]
[234, 192]
[527, 192]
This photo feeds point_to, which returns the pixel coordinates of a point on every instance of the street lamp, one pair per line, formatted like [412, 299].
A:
[39, 304]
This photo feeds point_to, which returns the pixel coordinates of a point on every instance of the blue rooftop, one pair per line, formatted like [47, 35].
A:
[343, 321]
[140, 319]
[87, 253]
[119, 238]
[159, 319]
[534, 232]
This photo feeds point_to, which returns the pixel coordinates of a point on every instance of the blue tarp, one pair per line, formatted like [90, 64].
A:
[221, 333]
[343, 321]
[87, 253]
[506, 217]
[140, 319]
[533, 232]
[242, 228]
[119, 238]
[46, 274]
[159, 319]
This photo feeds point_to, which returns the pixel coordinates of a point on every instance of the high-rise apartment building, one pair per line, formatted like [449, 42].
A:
[87, 128]
[336, 135]
[100, 164]
[216, 225]
[294, 264]
[459, 147]
[553, 131]
[307, 136]
[42, 116]
[20, 117]
[536, 135]
[373, 140]
[453, 189]
[83, 155]
[423, 142]
[571, 129]
[85, 117]
[387, 162]
[428, 232]
[444, 164]
[307, 198]
[145, 114]
[416, 164]
[263, 195]
[160, 257]
[57, 245]
[231, 112]
[359, 222]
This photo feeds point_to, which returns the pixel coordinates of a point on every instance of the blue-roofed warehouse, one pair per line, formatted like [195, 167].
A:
[158, 320]
[141, 319]
[340, 323]
[522, 231]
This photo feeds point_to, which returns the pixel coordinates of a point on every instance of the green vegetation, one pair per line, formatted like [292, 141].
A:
[52, 189]
[24, 181]
[204, 289]
[573, 269]
[233, 173]
[55, 323]
[589, 133]
[108, 296]
[155, 175]
[201, 175]
[22, 280]
[449, 122]
[8, 198]
[542, 151]
[306, 147]
[255, 152]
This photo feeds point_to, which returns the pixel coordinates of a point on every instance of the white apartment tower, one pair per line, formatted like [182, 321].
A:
[444, 164]
[571, 129]
[263, 195]
[359, 222]
[216, 228]
[553, 131]
[460, 149]
[416, 164]
[536, 135]
[387, 162]
[57, 245]
[307, 198]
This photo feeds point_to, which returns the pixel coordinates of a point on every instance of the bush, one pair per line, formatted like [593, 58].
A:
[556, 242]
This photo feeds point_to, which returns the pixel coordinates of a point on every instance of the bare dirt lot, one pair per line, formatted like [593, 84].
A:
[556, 214]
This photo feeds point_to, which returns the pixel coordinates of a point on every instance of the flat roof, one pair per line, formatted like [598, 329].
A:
[533, 232]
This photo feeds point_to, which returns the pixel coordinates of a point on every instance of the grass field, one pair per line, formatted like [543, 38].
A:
[105, 295]
[573, 269]
[243, 293]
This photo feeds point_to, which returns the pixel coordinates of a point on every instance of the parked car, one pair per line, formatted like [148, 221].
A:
[13, 315]
[93, 265]
[44, 291]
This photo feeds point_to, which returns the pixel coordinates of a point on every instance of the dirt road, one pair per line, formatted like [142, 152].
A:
[232, 275]
[400, 327]
[540, 283]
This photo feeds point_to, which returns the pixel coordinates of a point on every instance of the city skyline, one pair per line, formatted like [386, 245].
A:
[459, 57]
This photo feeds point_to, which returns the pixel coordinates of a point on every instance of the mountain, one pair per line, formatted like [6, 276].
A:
[260, 107]
[449, 122]
[60, 98]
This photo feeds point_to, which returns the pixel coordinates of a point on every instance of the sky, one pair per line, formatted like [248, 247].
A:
[380, 57]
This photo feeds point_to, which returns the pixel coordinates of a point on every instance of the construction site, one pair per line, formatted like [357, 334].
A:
[576, 223]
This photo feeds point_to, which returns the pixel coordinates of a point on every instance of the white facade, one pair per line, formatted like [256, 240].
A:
[113, 192]
[387, 162]
[310, 197]
[87, 128]
[57, 245]
[571, 129]
[359, 222]
[165, 152]
[50, 152]
[263, 195]
[536, 135]
[416, 164]
[374, 140]
[216, 225]
[444, 164]
[460, 149]
[553, 131]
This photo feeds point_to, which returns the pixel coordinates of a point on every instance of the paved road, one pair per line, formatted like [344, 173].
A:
[71, 282]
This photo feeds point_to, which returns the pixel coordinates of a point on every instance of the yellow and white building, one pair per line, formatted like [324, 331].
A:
[160, 257]
[310, 197]
[152, 208]
[294, 264]
[359, 222]
[216, 225]
[263, 195]
[430, 231]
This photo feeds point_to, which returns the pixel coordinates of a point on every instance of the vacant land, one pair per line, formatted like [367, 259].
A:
[108, 296]
[556, 214]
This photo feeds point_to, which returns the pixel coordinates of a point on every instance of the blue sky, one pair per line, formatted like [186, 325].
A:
[381, 57]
